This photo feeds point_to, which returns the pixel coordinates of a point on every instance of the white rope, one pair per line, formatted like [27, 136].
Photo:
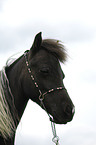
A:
[55, 138]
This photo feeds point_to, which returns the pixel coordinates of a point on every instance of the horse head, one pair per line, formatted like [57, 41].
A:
[43, 76]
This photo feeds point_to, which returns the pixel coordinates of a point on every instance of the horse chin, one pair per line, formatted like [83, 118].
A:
[58, 121]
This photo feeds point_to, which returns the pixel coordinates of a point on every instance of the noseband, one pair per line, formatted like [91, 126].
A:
[41, 98]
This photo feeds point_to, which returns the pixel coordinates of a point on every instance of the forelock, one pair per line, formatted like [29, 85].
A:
[56, 48]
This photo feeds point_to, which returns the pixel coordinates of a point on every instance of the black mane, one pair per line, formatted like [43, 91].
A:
[56, 48]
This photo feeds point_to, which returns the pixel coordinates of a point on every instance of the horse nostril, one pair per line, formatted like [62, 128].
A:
[69, 110]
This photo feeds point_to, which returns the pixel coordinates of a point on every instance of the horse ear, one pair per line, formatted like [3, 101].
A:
[36, 44]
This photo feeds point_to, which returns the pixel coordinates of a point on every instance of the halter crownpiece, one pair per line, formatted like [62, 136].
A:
[41, 98]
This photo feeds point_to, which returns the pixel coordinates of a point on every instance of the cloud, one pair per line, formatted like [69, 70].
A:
[81, 135]
[2, 2]
[18, 28]
[12, 37]
[76, 32]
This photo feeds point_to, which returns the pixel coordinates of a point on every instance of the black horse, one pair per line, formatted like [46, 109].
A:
[36, 75]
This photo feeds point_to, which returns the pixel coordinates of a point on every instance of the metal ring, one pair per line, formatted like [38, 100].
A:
[55, 139]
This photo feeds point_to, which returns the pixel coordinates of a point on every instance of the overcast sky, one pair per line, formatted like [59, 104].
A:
[74, 23]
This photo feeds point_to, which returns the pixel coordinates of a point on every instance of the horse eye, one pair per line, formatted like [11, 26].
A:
[44, 70]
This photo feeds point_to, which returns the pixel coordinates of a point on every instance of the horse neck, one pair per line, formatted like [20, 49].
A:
[14, 74]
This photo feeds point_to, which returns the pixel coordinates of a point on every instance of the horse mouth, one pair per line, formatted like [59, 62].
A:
[62, 118]
[58, 121]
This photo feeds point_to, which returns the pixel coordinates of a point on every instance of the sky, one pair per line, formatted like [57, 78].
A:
[74, 23]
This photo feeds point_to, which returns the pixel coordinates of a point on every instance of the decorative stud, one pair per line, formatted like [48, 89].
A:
[29, 70]
[32, 77]
[36, 86]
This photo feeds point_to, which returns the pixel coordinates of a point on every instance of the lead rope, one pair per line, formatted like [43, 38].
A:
[55, 138]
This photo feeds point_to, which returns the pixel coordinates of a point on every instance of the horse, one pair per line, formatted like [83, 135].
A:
[36, 75]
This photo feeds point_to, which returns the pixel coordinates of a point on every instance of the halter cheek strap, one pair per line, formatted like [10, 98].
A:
[42, 95]
[41, 98]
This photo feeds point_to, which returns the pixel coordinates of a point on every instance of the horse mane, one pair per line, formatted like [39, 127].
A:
[56, 48]
[7, 120]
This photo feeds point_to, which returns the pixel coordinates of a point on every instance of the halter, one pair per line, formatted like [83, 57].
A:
[41, 98]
